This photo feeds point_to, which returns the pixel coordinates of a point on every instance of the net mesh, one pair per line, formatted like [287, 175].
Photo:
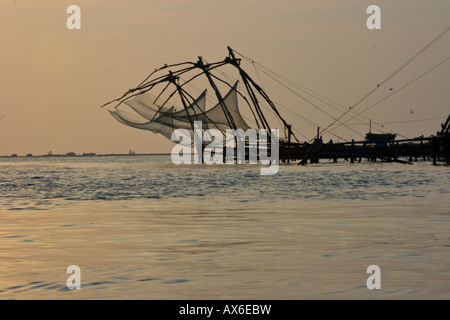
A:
[151, 114]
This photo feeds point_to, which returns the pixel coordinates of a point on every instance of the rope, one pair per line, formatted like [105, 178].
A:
[406, 85]
[266, 71]
[390, 76]
[409, 121]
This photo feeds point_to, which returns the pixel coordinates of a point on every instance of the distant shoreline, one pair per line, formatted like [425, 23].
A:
[86, 155]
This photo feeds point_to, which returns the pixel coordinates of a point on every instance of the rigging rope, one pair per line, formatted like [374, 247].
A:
[315, 95]
[408, 121]
[390, 76]
[401, 88]
[266, 71]
[313, 104]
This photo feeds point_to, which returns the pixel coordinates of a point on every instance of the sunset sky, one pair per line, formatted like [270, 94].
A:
[54, 80]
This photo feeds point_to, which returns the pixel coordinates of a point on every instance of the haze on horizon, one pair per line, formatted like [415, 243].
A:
[54, 80]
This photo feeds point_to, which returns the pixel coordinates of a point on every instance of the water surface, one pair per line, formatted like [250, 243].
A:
[140, 227]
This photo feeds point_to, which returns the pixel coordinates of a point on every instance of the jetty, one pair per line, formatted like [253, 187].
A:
[376, 147]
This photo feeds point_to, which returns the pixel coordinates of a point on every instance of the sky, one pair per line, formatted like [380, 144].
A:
[53, 80]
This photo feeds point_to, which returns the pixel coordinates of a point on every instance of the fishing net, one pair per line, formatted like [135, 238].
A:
[149, 113]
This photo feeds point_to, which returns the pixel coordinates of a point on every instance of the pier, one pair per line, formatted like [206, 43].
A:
[376, 147]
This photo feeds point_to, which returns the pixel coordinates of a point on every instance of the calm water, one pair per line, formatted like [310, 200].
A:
[140, 227]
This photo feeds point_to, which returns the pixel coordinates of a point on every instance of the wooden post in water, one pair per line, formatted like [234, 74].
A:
[289, 127]
[434, 149]
[446, 143]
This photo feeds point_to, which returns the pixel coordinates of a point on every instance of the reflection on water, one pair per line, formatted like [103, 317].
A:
[143, 228]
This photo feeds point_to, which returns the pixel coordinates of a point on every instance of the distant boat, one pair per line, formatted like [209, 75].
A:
[380, 136]
[71, 154]
[380, 139]
[131, 152]
[29, 155]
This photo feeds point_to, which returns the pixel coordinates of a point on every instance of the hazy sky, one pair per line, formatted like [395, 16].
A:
[54, 80]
